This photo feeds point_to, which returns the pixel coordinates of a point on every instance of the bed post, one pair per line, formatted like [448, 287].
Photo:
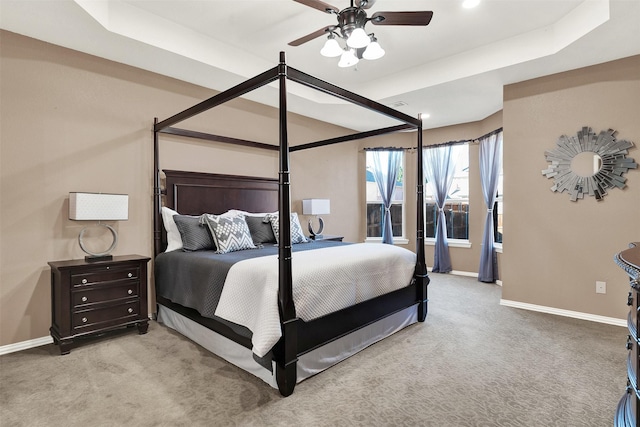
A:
[157, 203]
[286, 351]
[420, 275]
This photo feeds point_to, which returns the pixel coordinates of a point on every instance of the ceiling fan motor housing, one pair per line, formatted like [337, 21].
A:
[351, 18]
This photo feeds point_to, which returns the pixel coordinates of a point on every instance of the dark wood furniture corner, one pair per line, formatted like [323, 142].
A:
[327, 237]
[90, 298]
[628, 411]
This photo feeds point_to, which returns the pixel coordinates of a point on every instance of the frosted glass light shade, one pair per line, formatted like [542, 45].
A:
[348, 59]
[331, 48]
[358, 39]
[373, 51]
[316, 206]
[98, 207]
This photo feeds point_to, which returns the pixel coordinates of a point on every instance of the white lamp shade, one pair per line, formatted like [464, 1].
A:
[98, 207]
[348, 59]
[316, 206]
[373, 51]
[358, 38]
[331, 48]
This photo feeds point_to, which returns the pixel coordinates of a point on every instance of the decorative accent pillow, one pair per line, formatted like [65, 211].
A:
[261, 232]
[174, 241]
[297, 236]
[195, 236]
[231, 233]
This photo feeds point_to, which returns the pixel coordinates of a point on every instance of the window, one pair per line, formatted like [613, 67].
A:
[375, 206]
[498, 211]
[456, 208]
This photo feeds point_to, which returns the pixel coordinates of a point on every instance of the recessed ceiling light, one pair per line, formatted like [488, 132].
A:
[425, 115]
[468, 4]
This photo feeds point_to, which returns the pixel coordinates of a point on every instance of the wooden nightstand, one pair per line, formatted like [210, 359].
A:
[327, 237]
[89, 298]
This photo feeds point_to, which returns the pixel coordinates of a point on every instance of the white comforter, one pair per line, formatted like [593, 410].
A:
[324, 280]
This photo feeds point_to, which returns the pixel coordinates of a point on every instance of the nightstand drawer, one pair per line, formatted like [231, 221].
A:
[105, 274]
[97, 295]
[104, 317]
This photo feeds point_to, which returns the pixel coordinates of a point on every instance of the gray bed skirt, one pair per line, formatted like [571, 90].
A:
[309, 363]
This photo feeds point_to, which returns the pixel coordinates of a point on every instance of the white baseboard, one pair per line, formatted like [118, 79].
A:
[36, 342]
[25, 345]
[459, 273]
[565, 313]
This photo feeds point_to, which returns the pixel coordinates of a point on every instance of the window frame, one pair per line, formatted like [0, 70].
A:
[455, 243]
[402, 240]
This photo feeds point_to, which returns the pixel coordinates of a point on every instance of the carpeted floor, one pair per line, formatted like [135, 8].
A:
[472, 363]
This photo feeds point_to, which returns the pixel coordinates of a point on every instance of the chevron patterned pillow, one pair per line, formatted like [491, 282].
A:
[297, 236]
[229, 233]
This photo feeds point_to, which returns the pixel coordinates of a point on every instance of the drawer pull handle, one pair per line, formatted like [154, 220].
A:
[629, 345]
[84, 299]
[84, 320]
[130, 275]
[130, 310]
[130, 291]
[630, 299]
[84, 281]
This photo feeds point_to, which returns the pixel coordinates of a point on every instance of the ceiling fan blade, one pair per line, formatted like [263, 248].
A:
[365, 4]
[311, 36]
[317, 4]
[401, 18]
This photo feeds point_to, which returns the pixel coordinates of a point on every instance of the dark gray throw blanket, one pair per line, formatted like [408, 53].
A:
[196, 279]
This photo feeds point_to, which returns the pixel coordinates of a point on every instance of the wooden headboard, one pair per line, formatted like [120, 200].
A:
[195, 193]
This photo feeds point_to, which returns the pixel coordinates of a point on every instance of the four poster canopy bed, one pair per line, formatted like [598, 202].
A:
[275, 304]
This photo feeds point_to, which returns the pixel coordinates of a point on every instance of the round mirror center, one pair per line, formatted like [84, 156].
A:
[586, 164]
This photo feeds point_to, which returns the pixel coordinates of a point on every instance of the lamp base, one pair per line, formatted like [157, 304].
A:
[92, 258]
[316, 234]
[98, 256]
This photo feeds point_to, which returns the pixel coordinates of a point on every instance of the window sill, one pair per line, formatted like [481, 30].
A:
[396, 240]
[453, 243]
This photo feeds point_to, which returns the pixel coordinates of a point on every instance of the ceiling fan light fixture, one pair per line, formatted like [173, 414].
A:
[348, 59]
[331, 48]
[358, 39]
[374, 50]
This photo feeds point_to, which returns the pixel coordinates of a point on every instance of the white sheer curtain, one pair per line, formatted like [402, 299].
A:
[386, 166]
[439, 167]
[490, 165]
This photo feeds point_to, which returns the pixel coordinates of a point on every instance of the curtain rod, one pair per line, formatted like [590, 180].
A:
[388, 148]
[442, 144]
[466, 141]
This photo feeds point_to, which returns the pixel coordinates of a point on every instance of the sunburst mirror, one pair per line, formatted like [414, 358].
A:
[588, 163]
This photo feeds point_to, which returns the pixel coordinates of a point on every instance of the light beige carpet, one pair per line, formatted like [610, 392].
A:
[472, 363]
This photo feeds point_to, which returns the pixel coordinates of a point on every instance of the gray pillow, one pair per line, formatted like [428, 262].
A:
[261, 232]
[195, 236]
[230, 233]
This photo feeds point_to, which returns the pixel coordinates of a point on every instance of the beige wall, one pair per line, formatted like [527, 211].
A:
[74, 122]
[554, 249]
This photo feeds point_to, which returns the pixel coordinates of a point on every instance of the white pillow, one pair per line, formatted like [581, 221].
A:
[174, 241]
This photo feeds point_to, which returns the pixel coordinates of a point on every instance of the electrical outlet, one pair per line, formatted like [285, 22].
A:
[601, 287]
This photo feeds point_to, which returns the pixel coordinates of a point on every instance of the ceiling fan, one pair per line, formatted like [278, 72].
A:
[350, 27]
